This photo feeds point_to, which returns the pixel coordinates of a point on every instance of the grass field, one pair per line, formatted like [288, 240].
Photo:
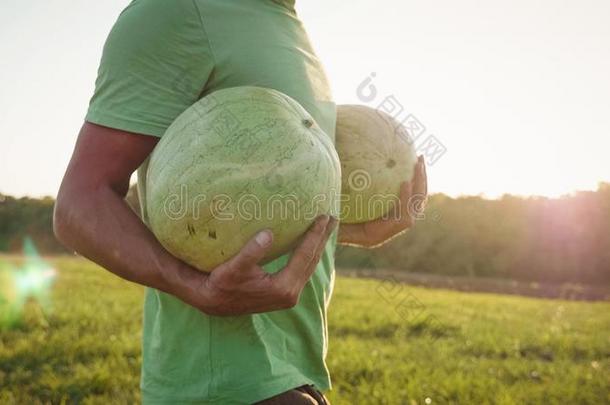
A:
[390, 344]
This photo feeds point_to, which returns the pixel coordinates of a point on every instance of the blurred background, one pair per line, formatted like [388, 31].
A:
[500, 294]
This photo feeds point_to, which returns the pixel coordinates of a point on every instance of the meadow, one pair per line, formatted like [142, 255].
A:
[390, 344]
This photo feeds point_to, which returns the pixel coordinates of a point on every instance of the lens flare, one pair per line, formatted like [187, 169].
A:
[32, 280]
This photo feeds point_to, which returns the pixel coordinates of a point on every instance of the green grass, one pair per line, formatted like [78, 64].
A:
[390, 344]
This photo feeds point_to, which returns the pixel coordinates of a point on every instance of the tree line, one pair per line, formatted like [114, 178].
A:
[539, 239]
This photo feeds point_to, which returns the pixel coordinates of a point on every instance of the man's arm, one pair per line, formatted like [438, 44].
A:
[92, 218]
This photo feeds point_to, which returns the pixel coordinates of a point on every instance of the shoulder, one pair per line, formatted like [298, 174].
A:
[146, 17]
[150, 31]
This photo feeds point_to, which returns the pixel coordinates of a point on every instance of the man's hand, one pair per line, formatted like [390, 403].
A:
[410, 206]
[240, 285]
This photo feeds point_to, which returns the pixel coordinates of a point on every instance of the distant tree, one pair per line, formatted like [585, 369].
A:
[564, 239]
[24, 217]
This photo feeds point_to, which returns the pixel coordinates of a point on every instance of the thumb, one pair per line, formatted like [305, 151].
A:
[254, 251]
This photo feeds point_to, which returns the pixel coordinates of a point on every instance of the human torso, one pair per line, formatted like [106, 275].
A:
[188, 354]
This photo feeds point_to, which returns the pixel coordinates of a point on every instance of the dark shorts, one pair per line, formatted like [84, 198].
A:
[304, 395]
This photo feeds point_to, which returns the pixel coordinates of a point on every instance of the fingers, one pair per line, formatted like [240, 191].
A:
[311, 267]
[411, 199]
[332, 224]
[254, 251]
[420, 189]
[303, 261]
[402, 211]
[414, 194]
[406, 191]
[306, 250]
[420, 181]
[255, 291]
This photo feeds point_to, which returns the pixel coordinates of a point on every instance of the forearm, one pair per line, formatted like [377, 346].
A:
[97, 223]
[350, 235]
[368, 235]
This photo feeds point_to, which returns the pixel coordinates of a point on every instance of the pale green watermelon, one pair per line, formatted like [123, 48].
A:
[238, 161]
[376, 157]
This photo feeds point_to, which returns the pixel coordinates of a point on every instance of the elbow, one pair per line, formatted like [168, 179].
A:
[61, 221]
[60, 227]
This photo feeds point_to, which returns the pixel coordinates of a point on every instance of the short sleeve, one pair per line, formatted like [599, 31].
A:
[155, 64]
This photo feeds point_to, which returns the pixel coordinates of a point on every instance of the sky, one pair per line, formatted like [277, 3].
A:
[516, 93]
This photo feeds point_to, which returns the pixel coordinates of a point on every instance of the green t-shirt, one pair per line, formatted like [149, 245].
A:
[160, 57]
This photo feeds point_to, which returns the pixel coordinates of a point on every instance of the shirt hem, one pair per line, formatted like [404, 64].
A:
[247, 395]
[124, 124]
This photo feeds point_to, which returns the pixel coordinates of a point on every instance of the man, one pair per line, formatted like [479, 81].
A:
[240, 334]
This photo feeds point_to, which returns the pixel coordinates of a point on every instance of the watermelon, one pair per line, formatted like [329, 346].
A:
[238, 161]
[376, 156]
